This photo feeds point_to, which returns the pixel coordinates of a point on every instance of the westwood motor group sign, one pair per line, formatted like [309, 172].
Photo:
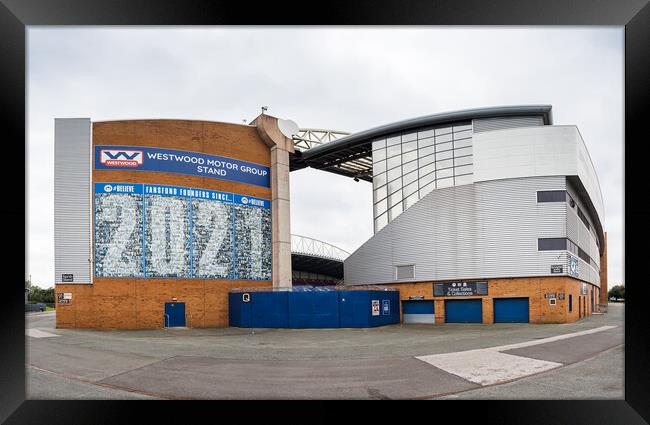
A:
[180, 162]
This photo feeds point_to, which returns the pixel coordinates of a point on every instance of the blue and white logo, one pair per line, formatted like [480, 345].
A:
[385, 307]
[108, 188]
[573, 266]
[244, 200]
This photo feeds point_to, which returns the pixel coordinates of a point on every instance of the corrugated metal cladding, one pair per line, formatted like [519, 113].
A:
[579, 234]
[482, 230]
[489, 124]
[72, 244]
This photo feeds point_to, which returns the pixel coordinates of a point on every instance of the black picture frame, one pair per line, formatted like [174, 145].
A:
[15, 15]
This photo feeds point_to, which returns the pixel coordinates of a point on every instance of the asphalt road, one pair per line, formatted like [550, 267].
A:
[399, 361]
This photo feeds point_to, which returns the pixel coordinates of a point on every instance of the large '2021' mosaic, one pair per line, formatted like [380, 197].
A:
[144, 230]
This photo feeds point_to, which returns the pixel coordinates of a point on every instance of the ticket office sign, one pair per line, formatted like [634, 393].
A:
[460, 289]
[142, 158]
[144, 230]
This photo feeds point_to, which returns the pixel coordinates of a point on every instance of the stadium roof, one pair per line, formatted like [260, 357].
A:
[352, 155]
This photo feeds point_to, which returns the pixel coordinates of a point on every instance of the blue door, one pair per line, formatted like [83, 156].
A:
[354, 309]
[463, 311]
[174, 314]
[511, 310]
[418, 312]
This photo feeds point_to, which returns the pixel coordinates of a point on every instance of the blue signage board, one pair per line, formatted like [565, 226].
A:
[147, 230]
[385, 307]
[252, 202]
[118, 188]
[140, 158]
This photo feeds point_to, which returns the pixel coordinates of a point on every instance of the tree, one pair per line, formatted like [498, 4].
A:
[617, 291]
[41, 295]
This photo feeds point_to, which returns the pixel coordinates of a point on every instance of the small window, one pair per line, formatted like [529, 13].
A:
[394, 150]
[444, 138]
[409, 136]
[551, 196]
[410, 200]
[463, 160]
[378, 155]
[393, 162]
[462, 134]
[395, 140]
[422, 143]
[583, 218]
[379, 180]
[426, 157]
[410, 178]
[380, 193]
[378, 144]
[409, 156]
[462, 143]
[443, 130]
[445, 183]
[411, 188]
[466, 179]
[405, 272]
[441, 174]
[379, 167]
[444, 155]
[551, 244]
[444, 147]
[409, 146]
[380, 222]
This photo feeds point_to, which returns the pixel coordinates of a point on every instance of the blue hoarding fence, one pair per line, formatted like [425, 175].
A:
[313, 308]
[142, 158]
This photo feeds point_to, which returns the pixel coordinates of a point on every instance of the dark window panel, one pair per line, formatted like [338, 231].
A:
[551, 244]
[551, 196]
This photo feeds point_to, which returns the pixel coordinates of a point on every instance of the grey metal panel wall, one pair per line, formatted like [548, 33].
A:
[72, 233]
[578, 232]
[489, 124]
[482, 230]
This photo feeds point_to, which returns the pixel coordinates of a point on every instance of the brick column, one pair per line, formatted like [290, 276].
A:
[604, 298]
[281, 146]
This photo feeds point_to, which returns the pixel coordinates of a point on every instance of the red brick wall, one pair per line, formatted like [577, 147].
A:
[534, 288]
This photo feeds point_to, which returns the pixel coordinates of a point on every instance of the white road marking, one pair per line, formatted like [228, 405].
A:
[487, 366]
[35, 333]
[549, 339]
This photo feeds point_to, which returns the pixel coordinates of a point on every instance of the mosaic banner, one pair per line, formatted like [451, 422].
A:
[144, 230]
[140, 158]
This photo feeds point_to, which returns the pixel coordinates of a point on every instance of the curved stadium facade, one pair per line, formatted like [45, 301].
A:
[480, 216]
[486, 215]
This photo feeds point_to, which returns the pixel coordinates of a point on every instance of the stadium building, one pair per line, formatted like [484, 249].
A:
[481, 216]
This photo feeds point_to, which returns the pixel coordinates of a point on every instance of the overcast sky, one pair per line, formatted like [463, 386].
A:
[347, 79]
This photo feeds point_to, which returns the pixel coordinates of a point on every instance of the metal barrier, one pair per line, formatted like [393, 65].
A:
[600, 308]
[165, 323]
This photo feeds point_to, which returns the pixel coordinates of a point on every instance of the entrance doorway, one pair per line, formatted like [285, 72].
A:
[174, 315]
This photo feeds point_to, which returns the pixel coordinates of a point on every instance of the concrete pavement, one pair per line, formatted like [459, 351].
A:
[311, 363]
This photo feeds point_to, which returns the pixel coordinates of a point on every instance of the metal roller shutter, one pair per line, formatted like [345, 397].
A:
[511, 310]
[418, 312]
[463, 311]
